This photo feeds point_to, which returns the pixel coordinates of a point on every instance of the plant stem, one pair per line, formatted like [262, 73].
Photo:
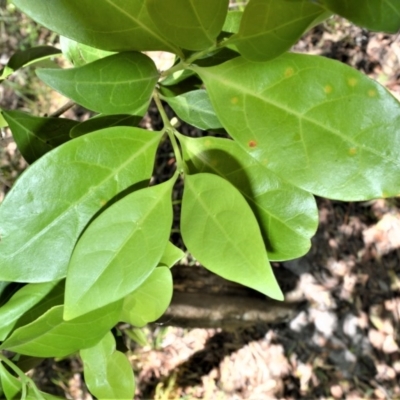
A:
[62, 109]
[25, 380]
[177, 67]
[169, 129]
[202, 53]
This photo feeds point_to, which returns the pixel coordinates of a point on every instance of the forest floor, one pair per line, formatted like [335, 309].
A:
[342, 340]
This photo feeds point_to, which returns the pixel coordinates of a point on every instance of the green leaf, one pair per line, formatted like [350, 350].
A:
[335, 135]
[378, 15]
[23, 58]
[118, 84]
[177, 77]
[54, 298]
[3, 122]
[51, 336]
[5, 291]
[35, 136]
[43, 215]
[192, 25]
[268, 28]
[108, 373]
[21, 302]
[33, 395]
[119, 250]
[287, 215]
[80, 54]
[150, 300]
[115, 25]
[104, 121]
[10, 384]
[232, 21]
[138, 336]
[195, 108]
[219, 228]
[171, 256]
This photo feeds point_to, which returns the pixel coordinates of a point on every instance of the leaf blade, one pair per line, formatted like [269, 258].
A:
[35, 136]
[269, 28]
[119, 250]
[195, 108]
[300, 137]
[193, 25]
[122, 25]
[287, 216]
[118, 84]
[20, 302]
[150, 300]
[38, 234]
[383, 15]
[108, 372]
[220, 230]
[51, 336]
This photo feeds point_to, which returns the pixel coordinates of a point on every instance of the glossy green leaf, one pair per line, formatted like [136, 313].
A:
[171, 256]
[268, 28]
[115, 25]
[195, 108]
[35, 136]
[104, 121]
[43, 215]
[23, 58]
[51, 336]
[377, 15]
[193, 24]
[10, 384]
[108, 373]
[21, 302]
[80, 54]
[150, 300]
[118, 84]
[335, 135]
[287, 215]
[119, 250]
[221, 231]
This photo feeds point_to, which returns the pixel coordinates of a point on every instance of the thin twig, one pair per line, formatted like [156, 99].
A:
[62, 109]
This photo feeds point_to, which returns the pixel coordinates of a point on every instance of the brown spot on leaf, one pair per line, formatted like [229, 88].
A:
[252, 143]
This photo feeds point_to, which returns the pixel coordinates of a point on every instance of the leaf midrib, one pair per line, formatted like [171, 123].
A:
[116, 252]
[229, 240]
[142, 25]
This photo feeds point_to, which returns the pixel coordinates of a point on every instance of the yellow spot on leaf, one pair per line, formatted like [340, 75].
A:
[207, 143]
[103, 203]
[352, 81]
[289, 72]
[234, 100]
[328, 89]
[372, 93]
[352, 151]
